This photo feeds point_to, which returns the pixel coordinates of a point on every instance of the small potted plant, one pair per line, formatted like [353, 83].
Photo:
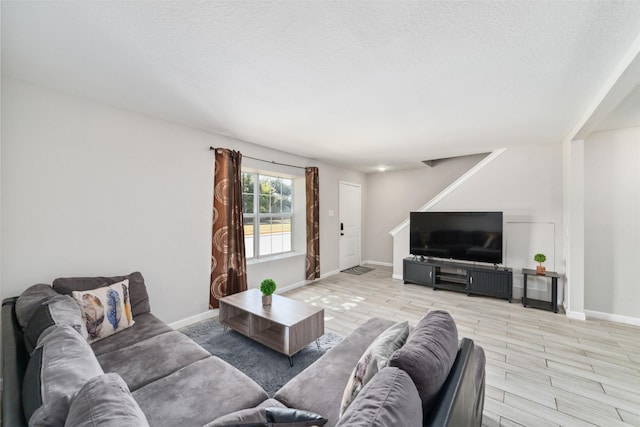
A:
[267, 287]
[540, 258]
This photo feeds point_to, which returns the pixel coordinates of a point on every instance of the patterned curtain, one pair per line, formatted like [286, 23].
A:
[228, 261]
[313, 223]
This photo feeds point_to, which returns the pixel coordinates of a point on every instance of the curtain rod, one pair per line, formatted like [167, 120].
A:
[269, 161]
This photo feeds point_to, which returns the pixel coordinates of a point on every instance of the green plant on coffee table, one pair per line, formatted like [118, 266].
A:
[267, 287]
[539, 258]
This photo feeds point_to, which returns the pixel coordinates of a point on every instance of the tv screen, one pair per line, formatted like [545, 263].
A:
[467, 236]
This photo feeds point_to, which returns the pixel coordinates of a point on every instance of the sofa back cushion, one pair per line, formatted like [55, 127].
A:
[138, 291]
[58, 368]
[389, 399]
[428, 355]
[373, 360]
[29, 301]
[105, 401]
[59, 310]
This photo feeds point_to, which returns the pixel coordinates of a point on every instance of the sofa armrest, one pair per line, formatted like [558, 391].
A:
[14, 365]
[461, 398]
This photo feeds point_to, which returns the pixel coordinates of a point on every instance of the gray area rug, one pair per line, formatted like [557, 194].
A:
[268, 368]
[357, 270]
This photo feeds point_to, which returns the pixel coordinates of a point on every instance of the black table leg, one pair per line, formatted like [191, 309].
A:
[554, 294]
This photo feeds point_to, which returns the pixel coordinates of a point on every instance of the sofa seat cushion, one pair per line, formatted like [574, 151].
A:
[138, 290]
[428, 355]
[105, 401]
[146, 326]
[269, 417]
[29, 301]
[146, 361]
[271, 403]
[390, 399]
[198, 394]
[58, 368]
[319, 388]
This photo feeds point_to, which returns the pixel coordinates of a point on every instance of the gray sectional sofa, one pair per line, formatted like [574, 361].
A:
[171, 381]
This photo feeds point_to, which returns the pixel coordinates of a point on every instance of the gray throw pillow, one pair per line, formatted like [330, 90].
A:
[59, 310]
[105, 401]
[29, 301]
[58, 368]
[373, 360]
[267, 417]
[138, 291]
[389, 399]
[428, 355]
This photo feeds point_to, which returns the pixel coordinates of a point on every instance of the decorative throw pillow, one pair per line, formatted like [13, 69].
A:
[373, 360]
[58, 368]
[428, 355]
[105, 310]
[59, 310]
[389, 399]
[105, 401]
[29, 301]
[267, 417]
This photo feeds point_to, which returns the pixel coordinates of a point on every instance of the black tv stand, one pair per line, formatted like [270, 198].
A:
[455, 276]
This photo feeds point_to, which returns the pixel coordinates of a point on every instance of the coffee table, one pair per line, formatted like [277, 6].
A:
[286, 326]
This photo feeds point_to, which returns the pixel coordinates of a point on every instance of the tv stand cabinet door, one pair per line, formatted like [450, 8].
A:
[418, 272]
[496, 284]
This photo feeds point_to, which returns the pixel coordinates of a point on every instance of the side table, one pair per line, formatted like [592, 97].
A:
[545, 305]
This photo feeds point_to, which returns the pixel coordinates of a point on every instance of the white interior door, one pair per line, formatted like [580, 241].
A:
[350, 219]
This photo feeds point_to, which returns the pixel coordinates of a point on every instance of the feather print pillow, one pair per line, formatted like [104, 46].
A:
[106, 310]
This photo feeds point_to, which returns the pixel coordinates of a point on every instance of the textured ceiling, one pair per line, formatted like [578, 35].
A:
[359, 84]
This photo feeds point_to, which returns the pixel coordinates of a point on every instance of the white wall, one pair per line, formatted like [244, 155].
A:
[525, 184]
[392, 195]
[612, 222]
[92, 190]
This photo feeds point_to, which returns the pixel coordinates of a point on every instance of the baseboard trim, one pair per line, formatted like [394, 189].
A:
[331, 273]
[577, 315]
[628, 320]
[397, 276]
[382, 263]
[292, 287]
[194, 319]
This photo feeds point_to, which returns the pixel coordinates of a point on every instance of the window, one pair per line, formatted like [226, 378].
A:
[267, 207]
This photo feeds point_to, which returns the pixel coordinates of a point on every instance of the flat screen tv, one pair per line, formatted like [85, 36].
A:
[466, 236]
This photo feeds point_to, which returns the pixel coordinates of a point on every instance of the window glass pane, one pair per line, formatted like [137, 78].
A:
[248, 236]
[265, 236]
[286, 234]
[265, 204]
[247, 203]
[247, 192]
[286, 204]
[247, 182]
[276, 203]
[265, 185]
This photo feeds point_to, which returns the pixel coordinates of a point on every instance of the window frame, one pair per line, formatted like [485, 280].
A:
[256, 216]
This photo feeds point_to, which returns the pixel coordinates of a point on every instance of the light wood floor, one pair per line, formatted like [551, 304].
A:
[543, 369]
